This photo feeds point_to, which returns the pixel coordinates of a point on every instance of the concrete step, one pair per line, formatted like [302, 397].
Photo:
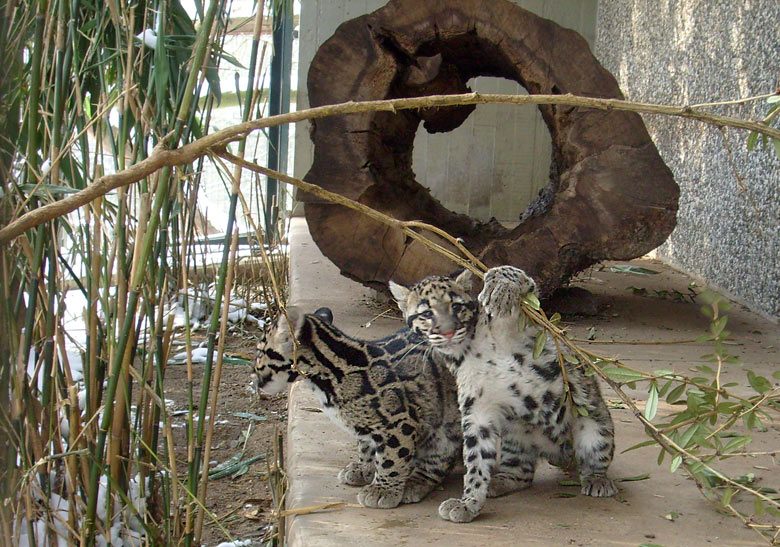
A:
[664, 508]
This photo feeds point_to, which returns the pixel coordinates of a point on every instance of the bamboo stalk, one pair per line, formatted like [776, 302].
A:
[249, 98]
[204, 476]
[207, 371]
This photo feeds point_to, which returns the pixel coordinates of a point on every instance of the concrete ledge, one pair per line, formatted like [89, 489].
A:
[548, 513]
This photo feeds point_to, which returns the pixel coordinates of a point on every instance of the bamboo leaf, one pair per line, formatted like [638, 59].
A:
[772, 511]
[631, 269]
[569, 358]
[541, 340]
[751, 421]
[751, 140]
[675, 394]
[727, 495]
[686, 437]
[736, 443]
[642, 477]
[758, 507]
[250, 416]
[759, 383]
[532, 301]
[717, 326]
[676, 462]
[623, 375]
[212, 77]
[651, 406]
[643, 444]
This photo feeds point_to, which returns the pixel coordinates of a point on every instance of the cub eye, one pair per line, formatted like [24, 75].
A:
[457, 306]
[427, 314]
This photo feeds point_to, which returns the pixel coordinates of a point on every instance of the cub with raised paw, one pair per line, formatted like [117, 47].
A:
[393, 394]
[515, 408]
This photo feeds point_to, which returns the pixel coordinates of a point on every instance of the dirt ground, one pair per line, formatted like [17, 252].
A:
[243, 504]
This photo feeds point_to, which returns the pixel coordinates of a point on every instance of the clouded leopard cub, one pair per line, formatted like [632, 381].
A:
[514, 408]
[398, 399]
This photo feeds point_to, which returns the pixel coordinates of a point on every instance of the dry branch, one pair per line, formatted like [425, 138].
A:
[471, 262]
[164, 157]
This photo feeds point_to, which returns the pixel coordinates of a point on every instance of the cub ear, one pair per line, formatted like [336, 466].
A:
[325, 314]
[464, 279]
[295, 317]
[281, 336]
[400, 293]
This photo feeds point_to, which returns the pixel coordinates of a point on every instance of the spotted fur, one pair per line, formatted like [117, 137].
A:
[393, 394]
[514, 407]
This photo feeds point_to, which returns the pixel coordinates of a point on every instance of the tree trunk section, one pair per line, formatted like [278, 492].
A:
[611, 195]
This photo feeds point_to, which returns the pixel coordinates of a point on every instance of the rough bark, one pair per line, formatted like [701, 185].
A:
[614, 197]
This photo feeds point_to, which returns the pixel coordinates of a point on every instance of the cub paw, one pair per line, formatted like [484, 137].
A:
[458, 510]
[378, 497]
[356, 474]
[598, 487]
[501, 485]
[564, 462]
[416, 491]
[504, 288]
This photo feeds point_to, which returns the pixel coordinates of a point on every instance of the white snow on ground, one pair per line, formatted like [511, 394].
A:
[126, 530]
[149, 38]
[199, 355]
[239, 543]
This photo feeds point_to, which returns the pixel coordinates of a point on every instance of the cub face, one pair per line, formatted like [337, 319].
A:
[439, 308]
[275, 356]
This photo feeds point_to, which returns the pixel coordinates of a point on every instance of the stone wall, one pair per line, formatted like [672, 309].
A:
[687, 52]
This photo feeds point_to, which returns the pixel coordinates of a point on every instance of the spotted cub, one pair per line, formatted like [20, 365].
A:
[394, 395]
[514, 407]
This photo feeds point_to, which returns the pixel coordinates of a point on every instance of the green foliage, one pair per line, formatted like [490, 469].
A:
[80, 96]
[704, 421]
[709, 424]
[772, 112]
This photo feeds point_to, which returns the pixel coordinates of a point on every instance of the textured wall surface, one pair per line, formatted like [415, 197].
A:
[690, 52]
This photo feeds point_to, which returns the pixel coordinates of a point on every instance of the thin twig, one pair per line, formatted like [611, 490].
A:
[635, 342]
[735, 101]
[408, 227]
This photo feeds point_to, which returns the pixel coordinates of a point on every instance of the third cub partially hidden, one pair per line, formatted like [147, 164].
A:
[514, 407]
[393, 394]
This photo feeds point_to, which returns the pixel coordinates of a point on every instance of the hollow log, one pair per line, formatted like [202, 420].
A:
[610, 197]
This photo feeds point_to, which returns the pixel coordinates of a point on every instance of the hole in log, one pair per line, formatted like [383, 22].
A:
[492, 166]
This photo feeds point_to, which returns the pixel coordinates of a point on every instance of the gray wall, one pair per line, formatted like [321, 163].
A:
[495, 163]
[688, 52]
